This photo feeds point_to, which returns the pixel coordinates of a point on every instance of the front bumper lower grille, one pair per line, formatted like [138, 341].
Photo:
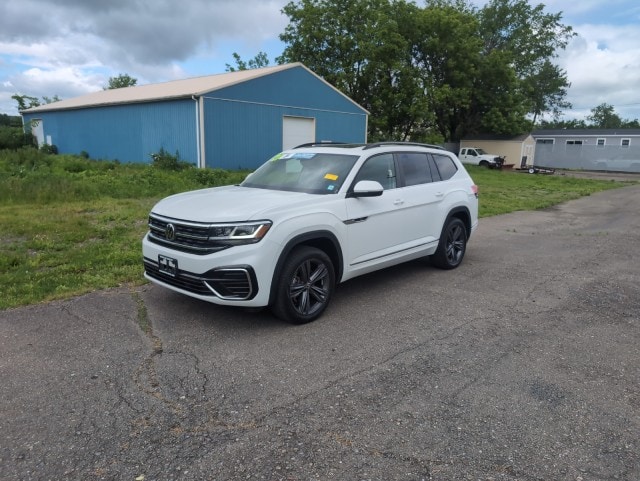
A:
[237, 283]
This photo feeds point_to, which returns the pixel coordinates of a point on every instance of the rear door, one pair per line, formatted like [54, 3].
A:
[421, 196]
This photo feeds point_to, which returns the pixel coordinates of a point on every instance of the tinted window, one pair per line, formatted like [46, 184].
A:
[415, 168]
[380, 168]
[445, 165]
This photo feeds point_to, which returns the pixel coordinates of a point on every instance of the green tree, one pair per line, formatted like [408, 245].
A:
[360, 47]
[546, 91]
[443, 70]
[26, 101]
[529, 37]
[557, 123]
[120, 81]
[259, 61]
[50, 100]
[447, 54]
[604, 116]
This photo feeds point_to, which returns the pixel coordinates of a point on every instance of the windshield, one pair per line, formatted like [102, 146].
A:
[309, 172]
[480, 151]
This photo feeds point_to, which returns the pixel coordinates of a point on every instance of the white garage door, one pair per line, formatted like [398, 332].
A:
[297, 130]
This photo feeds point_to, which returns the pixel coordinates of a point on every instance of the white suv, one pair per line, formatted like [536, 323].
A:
[308, 219]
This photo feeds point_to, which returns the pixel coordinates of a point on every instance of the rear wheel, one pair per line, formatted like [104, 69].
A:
[452, 246]
[305, 286]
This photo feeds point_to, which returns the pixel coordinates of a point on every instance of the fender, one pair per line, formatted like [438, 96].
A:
[462, 213]
[318, 239]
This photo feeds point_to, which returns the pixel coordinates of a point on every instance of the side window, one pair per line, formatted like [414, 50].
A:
[415, 168]
[445, 166]
[380, 168]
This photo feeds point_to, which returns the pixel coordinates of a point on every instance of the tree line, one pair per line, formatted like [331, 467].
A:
[438, 72]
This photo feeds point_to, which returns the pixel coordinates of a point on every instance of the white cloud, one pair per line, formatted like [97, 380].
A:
[72, 47]
[603, 65]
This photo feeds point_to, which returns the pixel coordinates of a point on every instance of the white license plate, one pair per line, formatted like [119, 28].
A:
[168, 265]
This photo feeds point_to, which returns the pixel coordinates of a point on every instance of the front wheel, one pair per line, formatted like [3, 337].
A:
[452, 245]
[305, 286]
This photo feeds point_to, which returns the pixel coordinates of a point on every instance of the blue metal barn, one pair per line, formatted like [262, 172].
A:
[231, 121]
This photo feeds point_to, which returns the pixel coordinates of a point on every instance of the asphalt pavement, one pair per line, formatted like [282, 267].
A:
[522, 364]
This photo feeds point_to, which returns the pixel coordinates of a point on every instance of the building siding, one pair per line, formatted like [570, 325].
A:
[128, 133]
[293, 87]
[242, 132]
[580, 150]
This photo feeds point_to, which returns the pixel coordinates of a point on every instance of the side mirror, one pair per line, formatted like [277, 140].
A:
[367, 188]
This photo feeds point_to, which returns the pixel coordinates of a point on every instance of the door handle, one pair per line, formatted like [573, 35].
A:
[439, 194]
[398, 202]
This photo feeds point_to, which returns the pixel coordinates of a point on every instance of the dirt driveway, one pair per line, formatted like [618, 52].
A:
[523, 364]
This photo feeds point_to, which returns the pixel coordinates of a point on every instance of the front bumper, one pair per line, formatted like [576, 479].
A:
[232, 283]
[238, 276]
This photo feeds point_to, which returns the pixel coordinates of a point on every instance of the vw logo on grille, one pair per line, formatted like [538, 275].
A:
[170, 232]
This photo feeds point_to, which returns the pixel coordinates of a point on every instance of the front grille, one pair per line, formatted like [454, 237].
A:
[186, 236]
[231, 283]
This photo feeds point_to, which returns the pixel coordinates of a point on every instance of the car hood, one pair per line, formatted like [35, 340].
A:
[230, 203]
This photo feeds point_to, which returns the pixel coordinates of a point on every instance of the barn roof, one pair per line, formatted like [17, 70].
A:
[169, 90]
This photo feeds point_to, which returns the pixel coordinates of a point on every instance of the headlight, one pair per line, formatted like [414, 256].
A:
[240, 233]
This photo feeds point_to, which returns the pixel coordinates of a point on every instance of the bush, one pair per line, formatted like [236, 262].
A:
[214, 177]
[165, 161]
[14, 138]
[49, 149]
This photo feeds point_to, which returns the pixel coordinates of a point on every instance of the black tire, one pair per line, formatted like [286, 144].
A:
[452, 245]
[484, 163]
[305, 286]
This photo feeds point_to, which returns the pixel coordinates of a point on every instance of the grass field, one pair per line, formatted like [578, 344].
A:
[72, 225]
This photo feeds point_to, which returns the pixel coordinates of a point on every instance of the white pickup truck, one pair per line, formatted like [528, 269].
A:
[477, 156]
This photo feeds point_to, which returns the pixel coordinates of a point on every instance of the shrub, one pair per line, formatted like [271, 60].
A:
[165, 161]
[215, 177]
[14, 138]
[49, 149]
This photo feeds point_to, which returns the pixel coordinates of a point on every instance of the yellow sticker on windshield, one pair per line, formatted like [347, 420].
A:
[331, 177]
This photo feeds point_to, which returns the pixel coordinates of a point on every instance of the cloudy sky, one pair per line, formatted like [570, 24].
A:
[72, 47]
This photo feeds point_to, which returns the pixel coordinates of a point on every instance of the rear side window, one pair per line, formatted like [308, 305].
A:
[445, 166]
[415, 168]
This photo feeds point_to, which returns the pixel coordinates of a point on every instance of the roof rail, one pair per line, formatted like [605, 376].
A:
[412, 144]
[321, 143]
